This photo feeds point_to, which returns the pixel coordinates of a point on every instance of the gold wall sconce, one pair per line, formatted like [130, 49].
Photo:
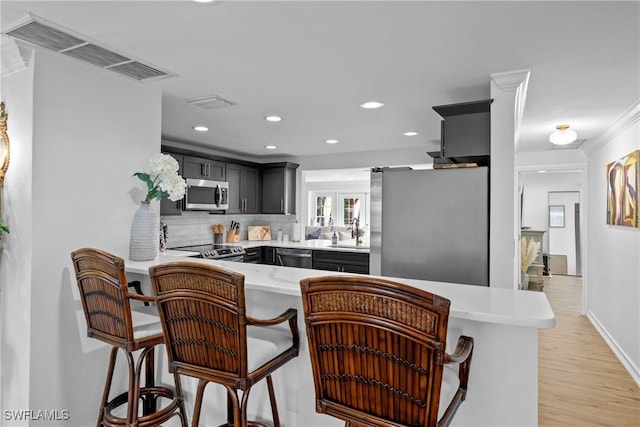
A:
[4, 145]
[4, 159]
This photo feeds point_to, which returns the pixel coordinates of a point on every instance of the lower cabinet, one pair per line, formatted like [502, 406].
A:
[253, 255]
[269, 256]
[346, 262]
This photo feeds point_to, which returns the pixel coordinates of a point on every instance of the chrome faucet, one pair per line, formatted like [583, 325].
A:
[356, 228]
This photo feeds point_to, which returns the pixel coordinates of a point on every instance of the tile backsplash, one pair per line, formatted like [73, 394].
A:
[194, 228]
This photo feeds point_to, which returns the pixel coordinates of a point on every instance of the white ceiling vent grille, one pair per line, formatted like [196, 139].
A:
[210, 102]
[573, 146]
[41, 32]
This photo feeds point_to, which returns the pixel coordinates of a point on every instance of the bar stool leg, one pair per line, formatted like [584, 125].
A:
[107, 385]
[149, 406]
[274, 405]
[198, 405]
[182, 413]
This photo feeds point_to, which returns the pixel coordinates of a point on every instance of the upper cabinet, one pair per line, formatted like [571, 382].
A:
[167, 207]
[254, 188]
[465, 131]
[201, 168]
[279, 188]
[244, 189]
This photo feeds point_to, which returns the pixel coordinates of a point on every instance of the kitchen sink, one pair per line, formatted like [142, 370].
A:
[358, 247]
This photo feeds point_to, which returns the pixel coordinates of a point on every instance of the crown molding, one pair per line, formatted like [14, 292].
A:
[510, 81]
[15, 56]
[628, 118]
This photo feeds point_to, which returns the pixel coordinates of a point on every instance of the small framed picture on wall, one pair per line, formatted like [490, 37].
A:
[556, 216]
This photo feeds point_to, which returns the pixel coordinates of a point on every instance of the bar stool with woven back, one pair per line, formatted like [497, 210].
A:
[378, 353]
[210, 337]
[105, 296]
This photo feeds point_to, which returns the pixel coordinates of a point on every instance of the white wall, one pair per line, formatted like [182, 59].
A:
[15, 263]
[613, 270]
[91, 132]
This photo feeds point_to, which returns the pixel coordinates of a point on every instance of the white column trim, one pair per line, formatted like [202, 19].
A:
[514, 81]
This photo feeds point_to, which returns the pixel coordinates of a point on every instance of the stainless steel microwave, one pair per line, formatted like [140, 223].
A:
[205, 195]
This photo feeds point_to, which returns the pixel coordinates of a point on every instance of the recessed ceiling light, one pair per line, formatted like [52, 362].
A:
[371, 105]
[331, 141]
[201, 128]
[542, 171]
[270, 147]
[273, 118]
[410, 133]
[204, 1]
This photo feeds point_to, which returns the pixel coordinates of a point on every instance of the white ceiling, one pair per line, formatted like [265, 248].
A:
[313, 63]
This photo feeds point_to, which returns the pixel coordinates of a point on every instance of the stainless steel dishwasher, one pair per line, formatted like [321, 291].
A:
[294, 257]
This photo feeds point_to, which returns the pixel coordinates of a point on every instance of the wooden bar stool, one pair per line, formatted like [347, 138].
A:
[210, 337]
[378, 353]
[105, 296]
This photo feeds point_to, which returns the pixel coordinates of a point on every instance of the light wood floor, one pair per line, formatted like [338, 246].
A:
[581, 382]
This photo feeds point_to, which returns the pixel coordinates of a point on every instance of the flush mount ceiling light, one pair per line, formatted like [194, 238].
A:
[331, 141]
[371, 105]
[201, 128]
[410, 133]
[273, 118]
[270, 147]
[563, 136]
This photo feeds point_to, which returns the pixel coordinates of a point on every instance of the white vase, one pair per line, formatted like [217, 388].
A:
[524, 281]
[143, 245]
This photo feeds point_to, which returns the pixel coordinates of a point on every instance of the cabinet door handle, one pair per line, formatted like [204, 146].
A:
[273, 255]
[282, 205]
[203, 169]
[208, 169]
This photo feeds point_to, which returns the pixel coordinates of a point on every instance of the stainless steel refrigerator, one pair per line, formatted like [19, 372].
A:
[430, 224]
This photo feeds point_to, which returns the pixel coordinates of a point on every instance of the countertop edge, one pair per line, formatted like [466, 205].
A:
[474, 303]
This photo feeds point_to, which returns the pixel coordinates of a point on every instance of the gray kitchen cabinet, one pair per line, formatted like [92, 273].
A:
[465, 130]
[244, 188]
[346, 262]
[201, 168]
[279, 188]
[269, 255]
[168, 207]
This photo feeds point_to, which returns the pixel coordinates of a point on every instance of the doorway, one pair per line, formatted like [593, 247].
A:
[564, 256]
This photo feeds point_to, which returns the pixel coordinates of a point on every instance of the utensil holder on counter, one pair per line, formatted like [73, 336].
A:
[218, 238]
[233, 236]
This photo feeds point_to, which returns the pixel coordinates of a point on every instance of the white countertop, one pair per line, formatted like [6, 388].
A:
[477, 303]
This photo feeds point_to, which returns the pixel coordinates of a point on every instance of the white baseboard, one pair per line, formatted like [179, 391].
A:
[620, 354]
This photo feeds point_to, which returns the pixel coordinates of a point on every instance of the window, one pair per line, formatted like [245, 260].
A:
[352, 205]
[322, 209]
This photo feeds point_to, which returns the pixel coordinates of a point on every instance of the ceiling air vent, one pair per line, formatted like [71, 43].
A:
[210, 102]
[573, 146]
[40, 32]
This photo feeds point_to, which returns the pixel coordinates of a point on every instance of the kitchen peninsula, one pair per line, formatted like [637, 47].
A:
[503, 386]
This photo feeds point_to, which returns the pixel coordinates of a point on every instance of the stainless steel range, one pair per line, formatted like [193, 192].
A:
[221, 252]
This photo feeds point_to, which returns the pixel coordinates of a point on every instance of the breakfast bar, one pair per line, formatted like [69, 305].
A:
[503, 384]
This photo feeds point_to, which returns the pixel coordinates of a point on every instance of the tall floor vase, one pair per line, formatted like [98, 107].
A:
[143, 245]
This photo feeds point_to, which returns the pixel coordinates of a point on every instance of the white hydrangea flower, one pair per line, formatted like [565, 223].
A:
[174, 186]
[163, 178]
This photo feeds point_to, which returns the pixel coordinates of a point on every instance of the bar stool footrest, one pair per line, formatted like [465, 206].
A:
[148, 420]
[249, 424]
